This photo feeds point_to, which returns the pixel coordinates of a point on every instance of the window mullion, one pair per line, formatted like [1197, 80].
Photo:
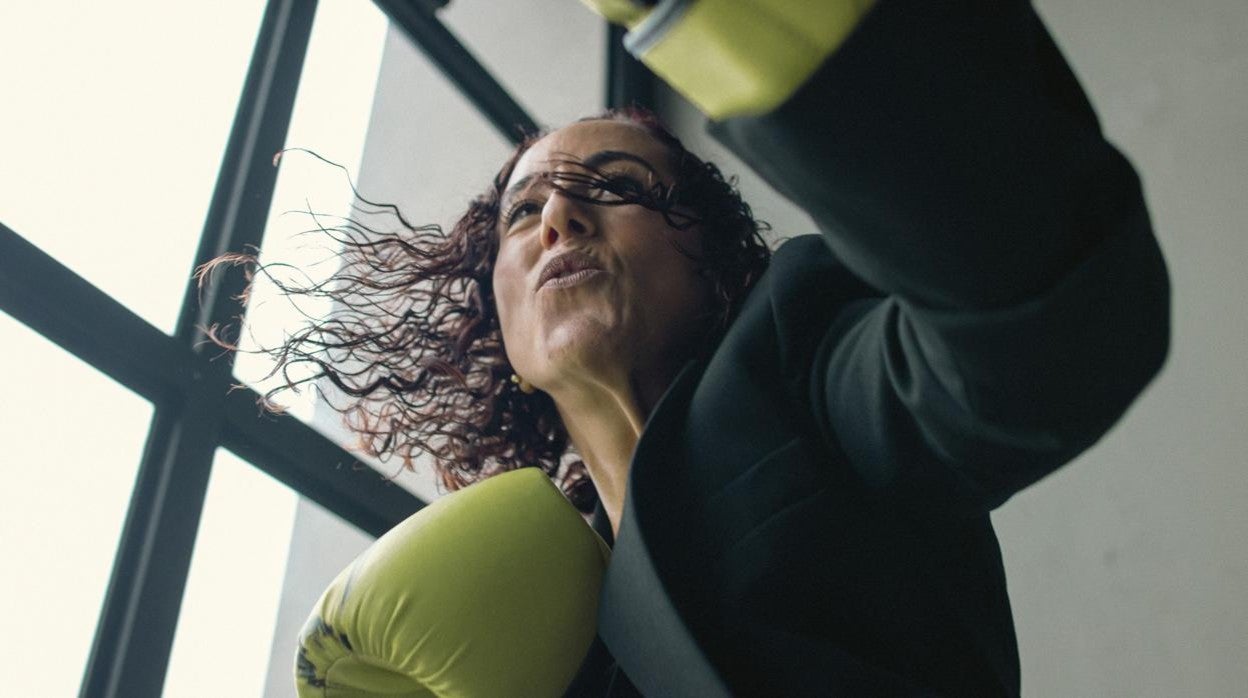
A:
[629, 82]
[314, 466]
[130, 652]
[418, 22]
[51, 299]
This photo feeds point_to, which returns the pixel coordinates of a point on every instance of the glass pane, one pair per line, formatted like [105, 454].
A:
[114, 124]
[72, 443]
[239, 616]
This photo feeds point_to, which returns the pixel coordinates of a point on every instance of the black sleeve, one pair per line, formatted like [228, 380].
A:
[952, 161]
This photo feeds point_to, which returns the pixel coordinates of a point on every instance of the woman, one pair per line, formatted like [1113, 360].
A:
[796, 464]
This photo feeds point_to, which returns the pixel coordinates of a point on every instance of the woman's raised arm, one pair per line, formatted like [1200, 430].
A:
[952, 161]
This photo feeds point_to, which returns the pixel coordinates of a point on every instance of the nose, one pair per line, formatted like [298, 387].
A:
[563, 216]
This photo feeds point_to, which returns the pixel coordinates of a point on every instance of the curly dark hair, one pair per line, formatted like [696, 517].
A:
[414, 344]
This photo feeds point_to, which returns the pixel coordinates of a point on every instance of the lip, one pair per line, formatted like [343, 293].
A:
[569, 269]
[574, 279]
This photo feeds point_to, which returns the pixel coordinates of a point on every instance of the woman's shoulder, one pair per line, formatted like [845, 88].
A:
[804, 270]
[803, 294]
[795, 248]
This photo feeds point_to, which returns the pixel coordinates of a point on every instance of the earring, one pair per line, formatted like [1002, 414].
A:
[525, 386]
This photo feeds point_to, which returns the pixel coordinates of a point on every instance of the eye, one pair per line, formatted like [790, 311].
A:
[519, 210]
[617, 188]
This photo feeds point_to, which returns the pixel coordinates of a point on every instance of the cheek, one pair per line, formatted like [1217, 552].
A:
[670, 272]
[509, 296]
[690, 294]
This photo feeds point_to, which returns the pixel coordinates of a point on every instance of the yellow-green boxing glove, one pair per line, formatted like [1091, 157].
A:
[488, 591]
[734, 57]
[624, 12]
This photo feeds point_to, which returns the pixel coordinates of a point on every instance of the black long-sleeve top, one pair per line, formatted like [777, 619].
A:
[808, 510]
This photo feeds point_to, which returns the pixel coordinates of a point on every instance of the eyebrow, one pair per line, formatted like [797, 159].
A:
[593, 162]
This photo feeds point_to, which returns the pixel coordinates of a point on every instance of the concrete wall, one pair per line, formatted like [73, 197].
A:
[1129, 569]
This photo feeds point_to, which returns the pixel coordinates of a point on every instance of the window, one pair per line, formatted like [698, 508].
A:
[72, 441]
[233, 600]
[117, 155]
[113, 133]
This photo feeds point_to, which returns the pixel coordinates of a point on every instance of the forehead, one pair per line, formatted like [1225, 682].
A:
[580, 140]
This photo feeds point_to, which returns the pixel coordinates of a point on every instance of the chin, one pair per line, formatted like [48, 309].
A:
[581, 344]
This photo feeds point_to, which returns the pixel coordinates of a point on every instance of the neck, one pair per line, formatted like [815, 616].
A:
[605, 419]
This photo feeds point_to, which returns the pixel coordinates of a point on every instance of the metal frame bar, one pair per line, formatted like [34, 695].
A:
[417, 20]
[186, 380]
[313, 465]
[629, 82]
[47, 297]
[39, 292]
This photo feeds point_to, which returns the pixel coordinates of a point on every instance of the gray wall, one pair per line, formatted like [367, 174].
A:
[1127, 568]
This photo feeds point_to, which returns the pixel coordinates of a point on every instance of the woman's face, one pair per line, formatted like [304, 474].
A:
[592, 293]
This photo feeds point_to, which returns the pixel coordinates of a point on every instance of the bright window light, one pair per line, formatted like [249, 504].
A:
[115, 119]
[229, 608]
[72, 442]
